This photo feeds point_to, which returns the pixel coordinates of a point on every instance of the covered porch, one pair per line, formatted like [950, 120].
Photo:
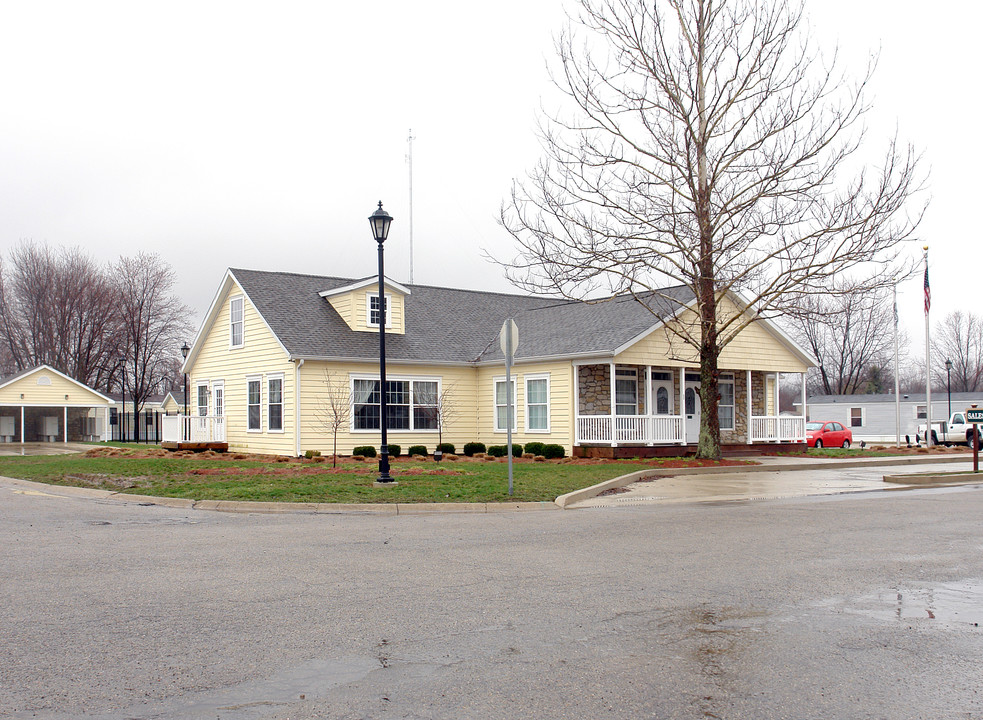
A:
[659, 406]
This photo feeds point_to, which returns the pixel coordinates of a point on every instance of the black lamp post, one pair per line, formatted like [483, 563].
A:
[184, 421]
[122, 400]
[380, 221]
[948, 384]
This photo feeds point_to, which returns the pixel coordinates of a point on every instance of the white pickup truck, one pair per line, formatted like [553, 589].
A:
[949, 432]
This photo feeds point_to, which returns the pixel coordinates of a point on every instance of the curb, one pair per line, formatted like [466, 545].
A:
[272, 508]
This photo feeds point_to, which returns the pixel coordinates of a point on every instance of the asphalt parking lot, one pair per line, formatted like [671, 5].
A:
[857, 605]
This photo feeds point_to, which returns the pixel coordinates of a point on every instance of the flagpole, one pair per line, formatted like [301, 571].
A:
[928, 359]
[897, 379]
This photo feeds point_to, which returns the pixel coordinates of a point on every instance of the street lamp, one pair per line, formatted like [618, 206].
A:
[184, 421]
[948, 384]
[122, 400]
[380, 221]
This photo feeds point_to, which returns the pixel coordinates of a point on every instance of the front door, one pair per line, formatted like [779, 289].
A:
[691, 402]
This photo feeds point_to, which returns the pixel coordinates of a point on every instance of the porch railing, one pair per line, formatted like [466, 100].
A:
[196, 428]
[634, 429]
[778, 428]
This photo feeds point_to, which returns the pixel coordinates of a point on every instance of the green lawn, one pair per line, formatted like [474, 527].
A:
[223, 477]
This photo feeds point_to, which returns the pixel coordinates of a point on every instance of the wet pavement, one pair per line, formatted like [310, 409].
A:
[799, 477]
[59, 448]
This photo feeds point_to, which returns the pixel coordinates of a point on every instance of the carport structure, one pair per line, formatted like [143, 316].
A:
[45, 405]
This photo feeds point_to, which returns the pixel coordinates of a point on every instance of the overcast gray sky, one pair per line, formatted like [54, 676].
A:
[262, 134]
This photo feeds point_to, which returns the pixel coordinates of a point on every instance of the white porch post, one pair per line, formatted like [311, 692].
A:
[64, 428]
[614, 431]
[749, 407]
[649, 434]
[682, 400]
[805, 410]
[21, 424]
[105, 427]
[576, 403]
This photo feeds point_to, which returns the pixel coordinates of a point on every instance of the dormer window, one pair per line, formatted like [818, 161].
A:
[373, 310]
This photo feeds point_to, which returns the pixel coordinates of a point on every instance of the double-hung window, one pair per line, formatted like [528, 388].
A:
[537, 404]
[725, 410]
[254, 408]
[410, 404]
[626, 391]
[274, 403]
[203, 400]
[235, 322]
[501, 405]
[372, 307]
[856, 417]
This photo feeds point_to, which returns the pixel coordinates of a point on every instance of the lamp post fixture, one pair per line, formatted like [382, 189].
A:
[184, 421]
[948, 384]
[380, 221]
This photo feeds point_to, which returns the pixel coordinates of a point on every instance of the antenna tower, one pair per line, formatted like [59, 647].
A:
[409, 161]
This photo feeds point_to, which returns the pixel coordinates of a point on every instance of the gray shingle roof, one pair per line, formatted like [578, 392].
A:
[448, 325]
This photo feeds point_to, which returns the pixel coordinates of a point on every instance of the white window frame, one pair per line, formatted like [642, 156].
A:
[269, 403]
[496, 405]
[921, 412]
[863, 417]
[537, 378]
[258, 379]
[412, 380]
[368, 311]
[240, 299]
[199, 386]
[626, 375]
[728, 379]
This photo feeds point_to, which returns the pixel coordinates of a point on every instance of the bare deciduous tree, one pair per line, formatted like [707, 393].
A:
[334, 408]
[154, 322]
[58, 308]
[708, 146]
[959, 338]
[851, 334]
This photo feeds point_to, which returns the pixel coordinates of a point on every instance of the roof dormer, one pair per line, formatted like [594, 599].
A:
[358, 304]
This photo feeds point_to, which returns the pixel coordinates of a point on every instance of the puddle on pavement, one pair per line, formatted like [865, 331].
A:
[957, 604]
[257, 699]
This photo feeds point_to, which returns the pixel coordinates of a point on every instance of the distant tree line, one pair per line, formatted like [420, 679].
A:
[96, 323]
[852, 336]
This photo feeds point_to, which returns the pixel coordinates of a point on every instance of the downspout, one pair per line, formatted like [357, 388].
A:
[300, 364]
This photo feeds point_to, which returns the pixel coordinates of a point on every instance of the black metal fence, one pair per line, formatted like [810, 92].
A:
[146, 428]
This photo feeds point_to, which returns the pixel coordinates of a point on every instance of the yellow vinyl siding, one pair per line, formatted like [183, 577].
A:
[260, 355]
[345, 307]
[560, 404]
[458, 382]
[755, 348]
[53, 394]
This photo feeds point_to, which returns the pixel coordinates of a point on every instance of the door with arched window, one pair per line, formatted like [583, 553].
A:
[691, 402]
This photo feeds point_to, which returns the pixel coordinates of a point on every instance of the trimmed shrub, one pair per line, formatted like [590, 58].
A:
[497, 450]
[446, 448]
[364, 450]
[312, 454]
[417, 450]
[551, 452]
[394, 450]
[536, 448]
[473, 448]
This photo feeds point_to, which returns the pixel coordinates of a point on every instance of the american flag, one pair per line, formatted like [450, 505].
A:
[928, 292]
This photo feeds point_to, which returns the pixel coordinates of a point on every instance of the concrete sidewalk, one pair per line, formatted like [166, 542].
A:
[772, 478]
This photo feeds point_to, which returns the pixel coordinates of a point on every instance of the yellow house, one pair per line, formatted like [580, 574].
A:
[44, 405]
[283, 362]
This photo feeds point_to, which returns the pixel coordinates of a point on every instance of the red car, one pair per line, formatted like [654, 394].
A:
[828, 434]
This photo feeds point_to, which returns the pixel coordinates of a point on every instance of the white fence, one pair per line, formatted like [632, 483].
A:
[778, 428]
[196, 429]
[633, 429]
